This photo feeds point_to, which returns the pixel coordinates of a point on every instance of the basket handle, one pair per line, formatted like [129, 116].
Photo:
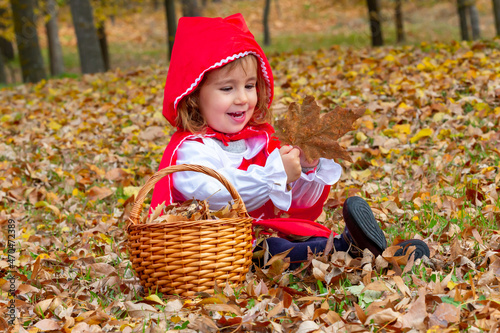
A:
[135, 214]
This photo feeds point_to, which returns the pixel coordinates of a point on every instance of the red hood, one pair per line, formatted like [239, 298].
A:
[202, 44]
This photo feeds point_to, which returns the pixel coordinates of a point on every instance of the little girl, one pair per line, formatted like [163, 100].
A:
[218, 91]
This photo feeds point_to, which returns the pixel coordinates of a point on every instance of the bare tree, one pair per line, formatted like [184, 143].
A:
[375, 22]
[30, 55]
[103, 42]
[89, 50]
[474, 21]
[496, 12]
[6, 47]
[265, 21]
[171, 25]
[469, 19]
[462, 15]
[190, 8]
[3, 75]
[400, 32]
[54, 45]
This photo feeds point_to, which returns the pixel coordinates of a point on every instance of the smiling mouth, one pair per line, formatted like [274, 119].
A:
[237, 115]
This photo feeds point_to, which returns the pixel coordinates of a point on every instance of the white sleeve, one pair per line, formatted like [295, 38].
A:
[308, 188]
[256, 185]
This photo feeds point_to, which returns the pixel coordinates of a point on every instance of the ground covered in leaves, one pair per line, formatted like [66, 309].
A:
[426, 157]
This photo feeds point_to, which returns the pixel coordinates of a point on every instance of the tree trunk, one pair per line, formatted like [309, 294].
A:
[103, 42]
[171, 25]
[3, 75]
[89, 50]
[375, 23]
[474, 21]
[190, 8]
[399, 22]
[30, 55]
[55, 50]
[462, 15]
[496, 12]
[265, 21]
[6, 47]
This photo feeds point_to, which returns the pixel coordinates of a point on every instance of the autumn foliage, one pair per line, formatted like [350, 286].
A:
[426, 156]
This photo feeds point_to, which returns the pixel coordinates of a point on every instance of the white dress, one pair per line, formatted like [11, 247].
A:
[257, 184]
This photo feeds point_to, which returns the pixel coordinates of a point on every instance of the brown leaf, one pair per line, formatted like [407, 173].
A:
[445, 313]
[116, 174]
[223, 307]
[98, 193]
[416, 314]
[151, 133]
[48, 325]
[315, 133]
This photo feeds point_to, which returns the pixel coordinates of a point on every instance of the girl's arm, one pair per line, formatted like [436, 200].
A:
[256, 185]
[309, 187]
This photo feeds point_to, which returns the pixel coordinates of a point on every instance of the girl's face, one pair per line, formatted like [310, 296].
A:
[228, 96]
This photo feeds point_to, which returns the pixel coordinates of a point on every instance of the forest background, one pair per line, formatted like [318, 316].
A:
[136, 31]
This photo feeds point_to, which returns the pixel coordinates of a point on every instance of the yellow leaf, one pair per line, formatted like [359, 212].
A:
[43, 256]
[389, 132]
[438, 116]
[421, 134]
[389, 57]
[175, 319]
[451, 285]
[469, 54]
[360, 136]
[404, 128]
[302, 81]
[131, 190]
[154, 298]
[6, 118]
[75, 192]
[403, 105]
[443, 134]
[55, 126]
[368, 124]
[361, 175]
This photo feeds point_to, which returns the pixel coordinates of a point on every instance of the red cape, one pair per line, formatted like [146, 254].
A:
[203, 44]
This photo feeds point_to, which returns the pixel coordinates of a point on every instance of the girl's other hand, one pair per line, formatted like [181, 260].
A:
[291, 161]
[304, 162]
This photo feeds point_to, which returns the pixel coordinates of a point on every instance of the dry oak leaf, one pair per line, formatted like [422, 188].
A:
[316, 133]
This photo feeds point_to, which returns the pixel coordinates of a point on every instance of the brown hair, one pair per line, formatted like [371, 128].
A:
[189, 117]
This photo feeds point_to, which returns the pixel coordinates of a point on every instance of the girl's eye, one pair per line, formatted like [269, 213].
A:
[226, 89]
[250, 86]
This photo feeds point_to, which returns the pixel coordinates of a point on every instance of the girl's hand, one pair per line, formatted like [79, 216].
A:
[291, 162]
[304, 162]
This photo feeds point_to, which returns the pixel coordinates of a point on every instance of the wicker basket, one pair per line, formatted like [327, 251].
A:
[187, 257]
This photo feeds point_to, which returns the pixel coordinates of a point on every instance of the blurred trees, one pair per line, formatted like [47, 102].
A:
[30, 55]
[3, 75]
[375, 22]
[469, 19]
[54, 45]
[190, 8]
[89, 49]
[90, 18]
[6, 48]
[265, 21]
[171, 25]
[496, 13]
[398, 16]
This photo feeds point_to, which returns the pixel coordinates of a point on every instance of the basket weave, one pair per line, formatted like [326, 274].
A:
[187, 257]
